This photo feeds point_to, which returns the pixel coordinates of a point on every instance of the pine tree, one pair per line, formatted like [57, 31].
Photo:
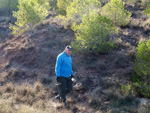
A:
[30, 13]
[92, 35]
[77, 9]
[142, 68]
[143, 59]
[115, 11]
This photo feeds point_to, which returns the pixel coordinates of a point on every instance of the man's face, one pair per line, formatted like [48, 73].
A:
[68, 52]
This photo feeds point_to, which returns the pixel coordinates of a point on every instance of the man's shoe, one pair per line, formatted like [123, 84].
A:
[65, 105]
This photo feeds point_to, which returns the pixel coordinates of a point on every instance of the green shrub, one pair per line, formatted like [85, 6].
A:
[62, 6]
[142, 88]
[147, 11]
[78, 8]
[128, 90]
[92, 35]
[115, 11]
[30, 13]
[142, 68]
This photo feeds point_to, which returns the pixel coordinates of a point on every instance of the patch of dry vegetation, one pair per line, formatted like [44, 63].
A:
[7, 106]
[25, 98]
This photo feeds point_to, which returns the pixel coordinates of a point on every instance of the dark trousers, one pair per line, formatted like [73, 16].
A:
[64, 87]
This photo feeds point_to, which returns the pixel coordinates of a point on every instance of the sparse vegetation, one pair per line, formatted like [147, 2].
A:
[110, 66]
[20, 99]
[77, 9]
[8, 106]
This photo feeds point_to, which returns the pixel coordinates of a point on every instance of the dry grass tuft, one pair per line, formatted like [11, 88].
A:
[4, 76]
[25, 94]
[7, 90]
[9, 87]
[38, 86]
[40, 104]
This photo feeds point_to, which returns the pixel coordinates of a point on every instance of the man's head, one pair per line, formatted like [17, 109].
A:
[68, 50]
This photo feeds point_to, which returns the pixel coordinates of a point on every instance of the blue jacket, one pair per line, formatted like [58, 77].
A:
[63, 65]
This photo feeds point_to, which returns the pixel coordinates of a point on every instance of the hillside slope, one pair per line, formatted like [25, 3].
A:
[27, 63]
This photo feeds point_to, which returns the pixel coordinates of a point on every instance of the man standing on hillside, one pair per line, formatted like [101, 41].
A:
[64, 73]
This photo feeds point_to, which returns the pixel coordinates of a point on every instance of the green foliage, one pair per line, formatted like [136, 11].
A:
[30, 13]
[127, 89]
[142, 88]
[145, 1]
[62, 6]
[147, 11]
[92, 35]
[142, 68]
[78, 8]
[115, 11]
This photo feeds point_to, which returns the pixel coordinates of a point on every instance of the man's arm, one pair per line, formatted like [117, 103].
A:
[58, 66]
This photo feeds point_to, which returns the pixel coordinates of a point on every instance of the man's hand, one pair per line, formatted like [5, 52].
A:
[71, 76]
[57, 79]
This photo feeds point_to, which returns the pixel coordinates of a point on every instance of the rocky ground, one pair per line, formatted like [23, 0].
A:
[27, 64]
